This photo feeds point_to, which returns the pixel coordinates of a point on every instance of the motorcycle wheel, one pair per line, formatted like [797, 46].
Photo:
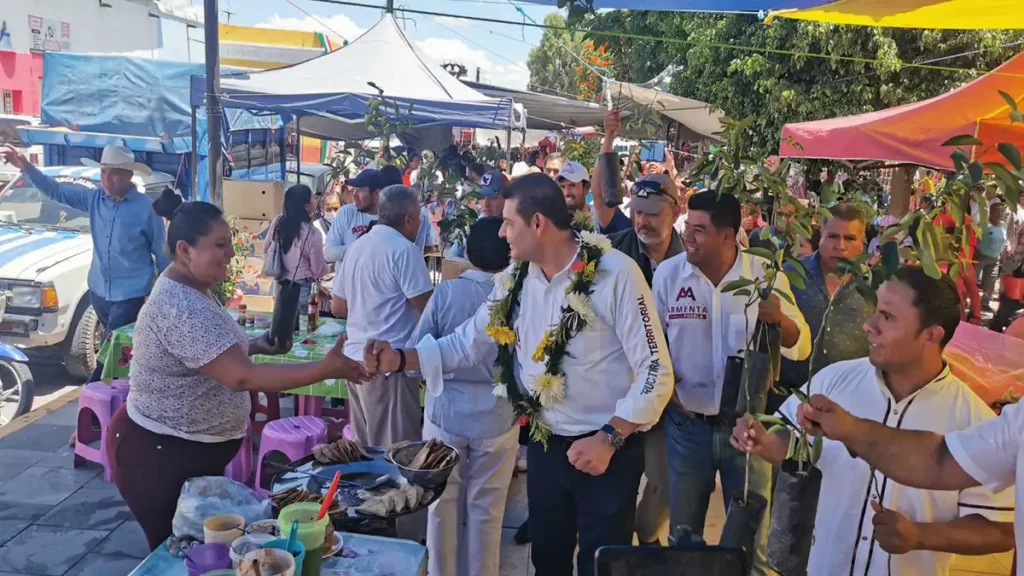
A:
[16, 391]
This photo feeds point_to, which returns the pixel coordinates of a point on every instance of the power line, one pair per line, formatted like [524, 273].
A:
[644, 37]
[317, 20]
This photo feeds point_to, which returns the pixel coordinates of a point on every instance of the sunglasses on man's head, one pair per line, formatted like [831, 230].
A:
[648, 188]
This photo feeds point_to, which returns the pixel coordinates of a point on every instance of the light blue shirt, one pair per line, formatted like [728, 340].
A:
[466, 406]
[128, 237]
[992, 241]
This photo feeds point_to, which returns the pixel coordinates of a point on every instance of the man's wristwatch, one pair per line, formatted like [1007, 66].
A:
[615, 438]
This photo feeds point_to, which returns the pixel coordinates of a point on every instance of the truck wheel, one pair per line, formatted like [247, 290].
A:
[16, 391]
[83, 344]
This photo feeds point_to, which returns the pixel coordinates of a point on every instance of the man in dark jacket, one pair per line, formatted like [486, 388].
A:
[651, 240]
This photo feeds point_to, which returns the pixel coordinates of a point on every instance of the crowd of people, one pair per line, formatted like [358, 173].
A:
[608, 354]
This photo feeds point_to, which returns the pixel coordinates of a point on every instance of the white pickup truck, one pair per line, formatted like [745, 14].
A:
[45, 254]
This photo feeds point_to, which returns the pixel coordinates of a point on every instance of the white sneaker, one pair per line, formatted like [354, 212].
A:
[521, 459]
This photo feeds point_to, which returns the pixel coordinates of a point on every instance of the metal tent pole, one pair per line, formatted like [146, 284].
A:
[194, 169]
[214, 112]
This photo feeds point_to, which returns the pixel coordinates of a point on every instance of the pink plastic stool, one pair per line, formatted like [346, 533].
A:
[240, 469]
[317, 406]
[121, 388]
[97, 401]
[293, 438]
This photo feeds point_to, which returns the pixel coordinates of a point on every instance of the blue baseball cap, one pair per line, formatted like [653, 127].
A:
[490, 183]
[366, 179]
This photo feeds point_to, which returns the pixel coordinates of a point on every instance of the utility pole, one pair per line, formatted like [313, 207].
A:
[214, 112]
[478, 74]
[390, 7]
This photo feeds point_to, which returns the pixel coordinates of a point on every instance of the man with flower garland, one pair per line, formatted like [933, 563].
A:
[581, 353]
[708, 333]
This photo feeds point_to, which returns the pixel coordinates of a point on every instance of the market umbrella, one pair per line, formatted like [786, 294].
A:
[697, 5]
[914, 133]
[935, 14]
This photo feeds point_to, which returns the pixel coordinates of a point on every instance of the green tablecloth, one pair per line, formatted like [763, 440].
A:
[116, 355]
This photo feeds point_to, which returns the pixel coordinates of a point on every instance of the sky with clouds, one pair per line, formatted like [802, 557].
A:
[500, 51]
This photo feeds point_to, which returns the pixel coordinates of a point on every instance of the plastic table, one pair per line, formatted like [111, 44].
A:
[370, 556]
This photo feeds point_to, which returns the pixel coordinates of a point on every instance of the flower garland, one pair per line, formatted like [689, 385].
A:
[577, 316]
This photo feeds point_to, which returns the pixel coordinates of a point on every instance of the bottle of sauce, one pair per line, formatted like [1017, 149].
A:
[313, 312]
[242, 313]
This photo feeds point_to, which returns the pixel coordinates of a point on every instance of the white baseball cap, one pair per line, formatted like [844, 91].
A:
[573, 172]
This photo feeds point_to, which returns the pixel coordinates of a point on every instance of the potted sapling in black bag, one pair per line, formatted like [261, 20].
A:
[749, 393]
[798, 486]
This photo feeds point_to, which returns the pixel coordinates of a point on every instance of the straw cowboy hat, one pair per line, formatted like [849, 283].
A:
[118, 157]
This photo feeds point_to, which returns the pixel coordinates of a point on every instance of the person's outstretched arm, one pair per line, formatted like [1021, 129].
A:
[911, 457]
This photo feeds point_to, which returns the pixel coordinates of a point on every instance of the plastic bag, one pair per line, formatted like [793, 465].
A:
[988, 362]
[208, 496]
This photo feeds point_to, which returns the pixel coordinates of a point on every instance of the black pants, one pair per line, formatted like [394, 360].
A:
[564, 502]
[1008, 310]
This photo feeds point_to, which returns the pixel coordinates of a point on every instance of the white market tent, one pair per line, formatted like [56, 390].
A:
[697, 119]
[330, 94]
[546, 112]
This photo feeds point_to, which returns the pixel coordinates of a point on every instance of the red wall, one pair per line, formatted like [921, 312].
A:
[22, 73]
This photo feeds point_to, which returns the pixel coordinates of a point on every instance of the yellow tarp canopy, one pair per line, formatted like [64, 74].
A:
[936, 14]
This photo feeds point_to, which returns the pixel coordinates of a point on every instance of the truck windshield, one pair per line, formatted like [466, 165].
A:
[22, 203]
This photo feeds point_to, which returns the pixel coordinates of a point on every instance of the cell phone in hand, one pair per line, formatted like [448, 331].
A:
[652, 151]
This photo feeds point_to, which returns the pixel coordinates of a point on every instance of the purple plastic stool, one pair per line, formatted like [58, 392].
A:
[240, 469]
[293, 437]
[99, 402]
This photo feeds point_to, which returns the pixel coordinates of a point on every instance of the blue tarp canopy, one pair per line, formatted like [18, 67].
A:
[91, 101]
[699, 5]
[332, 92]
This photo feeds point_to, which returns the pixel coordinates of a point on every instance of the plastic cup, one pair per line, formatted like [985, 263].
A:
[223, 529]
[271, 563]
[311, 532]
[299, 553]
[206, 558]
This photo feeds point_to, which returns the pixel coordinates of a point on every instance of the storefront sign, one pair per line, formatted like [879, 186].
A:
[48, 35]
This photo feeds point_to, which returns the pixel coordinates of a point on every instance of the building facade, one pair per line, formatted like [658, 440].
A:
[29, 29]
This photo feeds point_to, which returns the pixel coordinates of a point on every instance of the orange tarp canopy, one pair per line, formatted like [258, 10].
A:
[914, 133]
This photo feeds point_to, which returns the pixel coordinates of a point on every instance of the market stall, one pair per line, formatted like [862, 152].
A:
[332, 94]
[915, 133]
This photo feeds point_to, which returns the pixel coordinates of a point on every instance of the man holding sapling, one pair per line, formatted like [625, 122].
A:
[707, 332]
[869, 521]
[842, 238]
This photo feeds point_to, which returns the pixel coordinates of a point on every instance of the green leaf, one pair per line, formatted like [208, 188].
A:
[778, 428]
[737, 284]
[928, 251]
[816, 447]
[963, 140]
[795, 279]
[960, 159]
[1011, 153]
[1010, 101]
[743, 292]
[890, 233]
[800, 394]
[768, 419]
[784, 296]
[977, 171]
[761, 253]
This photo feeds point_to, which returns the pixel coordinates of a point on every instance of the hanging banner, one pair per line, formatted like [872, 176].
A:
[48, 35]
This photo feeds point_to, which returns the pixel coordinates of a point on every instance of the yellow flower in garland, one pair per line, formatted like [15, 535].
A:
[549, 388]
[540, 353]
[503, 335]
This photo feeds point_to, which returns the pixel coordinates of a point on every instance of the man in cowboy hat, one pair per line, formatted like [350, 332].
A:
[128, 237]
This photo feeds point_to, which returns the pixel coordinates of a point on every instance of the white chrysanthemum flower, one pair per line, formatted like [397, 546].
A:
[499, 391]
[595, 239]
[550, 389]
[581, 305]
[504, 281]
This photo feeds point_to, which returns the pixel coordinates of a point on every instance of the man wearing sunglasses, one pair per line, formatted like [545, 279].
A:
[650, 240]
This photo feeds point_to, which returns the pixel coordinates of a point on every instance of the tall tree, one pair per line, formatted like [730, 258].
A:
[725, 62]
[552, 63]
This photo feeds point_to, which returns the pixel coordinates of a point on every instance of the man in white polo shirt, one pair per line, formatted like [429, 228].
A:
[707, 332]
[867, 522]
[612, 377]
[382, 287]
